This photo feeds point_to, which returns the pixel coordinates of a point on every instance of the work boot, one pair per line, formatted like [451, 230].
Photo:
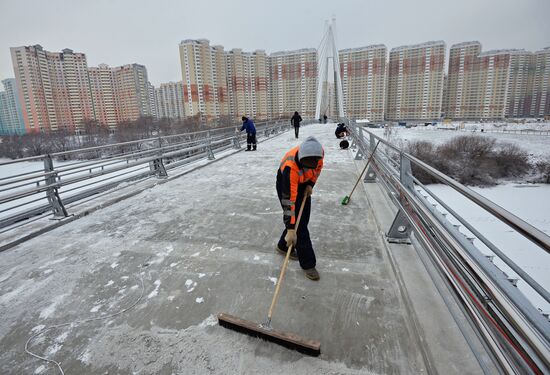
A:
[248, 148]
[293, 253]
[253, 148]
[312, 274]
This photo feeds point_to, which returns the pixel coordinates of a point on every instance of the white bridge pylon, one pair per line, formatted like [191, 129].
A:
[327, 51]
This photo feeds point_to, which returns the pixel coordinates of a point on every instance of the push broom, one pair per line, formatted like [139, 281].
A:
[265, 331]
[347, 198]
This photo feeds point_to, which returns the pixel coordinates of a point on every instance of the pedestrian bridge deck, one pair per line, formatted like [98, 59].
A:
[204, 243]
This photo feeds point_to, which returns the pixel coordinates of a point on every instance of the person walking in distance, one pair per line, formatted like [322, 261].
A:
[295, 121]
[296, 177]
[248, 126]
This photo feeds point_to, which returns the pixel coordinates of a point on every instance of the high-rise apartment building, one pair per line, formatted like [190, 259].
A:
[204, 79]
[520, 83]
[415, 82]
[493, 84]
[293, 83]
[102, 83]
[247, 78]
[540, 85]
[53, 87]
[363, 72]
[11, 116]
[132, 91]
[169, 99]
[462, 96]
[153, 105]
[493, 70]
[120, 93]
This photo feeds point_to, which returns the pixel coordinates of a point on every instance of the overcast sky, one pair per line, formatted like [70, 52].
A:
[118, 32]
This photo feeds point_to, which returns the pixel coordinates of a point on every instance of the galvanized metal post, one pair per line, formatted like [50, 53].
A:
[405, 172]
[237, 140]
[360, 155]
[400, 229]
[157, 166]
[209, 151]
[353, 138]
[52, 194]
[370, 175]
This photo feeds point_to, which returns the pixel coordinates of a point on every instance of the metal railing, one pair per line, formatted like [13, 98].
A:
[509, 131]
[37, 185]
[516, 334]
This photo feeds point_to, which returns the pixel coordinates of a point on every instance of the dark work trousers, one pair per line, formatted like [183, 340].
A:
[250, 141]
[306, 255]
[296, 130]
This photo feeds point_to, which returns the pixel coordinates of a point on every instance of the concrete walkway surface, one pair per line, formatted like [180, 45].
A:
[205, 243]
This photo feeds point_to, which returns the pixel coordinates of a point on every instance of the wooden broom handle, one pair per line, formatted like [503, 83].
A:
[364, 169]
[285, 263]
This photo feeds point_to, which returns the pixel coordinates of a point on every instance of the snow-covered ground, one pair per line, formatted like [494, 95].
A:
[538, 146]
[529, 125]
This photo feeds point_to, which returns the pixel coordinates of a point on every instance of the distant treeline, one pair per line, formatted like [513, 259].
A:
[95, 134]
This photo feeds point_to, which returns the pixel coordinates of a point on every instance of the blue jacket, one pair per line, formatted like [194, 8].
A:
[248, 125]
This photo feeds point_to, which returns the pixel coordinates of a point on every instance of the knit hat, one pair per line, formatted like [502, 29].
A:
[310, 148]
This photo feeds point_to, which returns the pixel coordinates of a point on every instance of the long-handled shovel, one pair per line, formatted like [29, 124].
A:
[264, 331]
[347, 198]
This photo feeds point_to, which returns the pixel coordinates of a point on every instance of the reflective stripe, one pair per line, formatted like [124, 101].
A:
[286, 202]
[288, 212]
[289, 158]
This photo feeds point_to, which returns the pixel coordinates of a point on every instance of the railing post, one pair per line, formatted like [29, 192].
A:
[405, 172]
[157, 166]
[400, 228]
[237, 140]
[370, 175]
[52, 194]
[360, 155]
[209, 151]
[354, 140]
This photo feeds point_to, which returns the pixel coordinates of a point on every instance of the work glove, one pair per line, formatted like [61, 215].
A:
[308, 191]
[291, 237]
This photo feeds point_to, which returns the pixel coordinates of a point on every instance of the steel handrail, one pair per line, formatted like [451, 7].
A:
[523, 275]
[65, 191]
[520, 316]
[175, 149]
[510, 263]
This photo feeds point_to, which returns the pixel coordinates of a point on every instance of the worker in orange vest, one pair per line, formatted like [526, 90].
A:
[296, 178]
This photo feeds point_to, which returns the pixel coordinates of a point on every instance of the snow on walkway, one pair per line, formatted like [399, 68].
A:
[204, 243]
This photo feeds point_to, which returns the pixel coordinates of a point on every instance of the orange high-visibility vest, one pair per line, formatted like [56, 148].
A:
[297, 177]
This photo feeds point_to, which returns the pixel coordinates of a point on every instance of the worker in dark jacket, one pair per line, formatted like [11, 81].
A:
[341, 131]
[296, 178]
[295, 121]
[248, 125]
